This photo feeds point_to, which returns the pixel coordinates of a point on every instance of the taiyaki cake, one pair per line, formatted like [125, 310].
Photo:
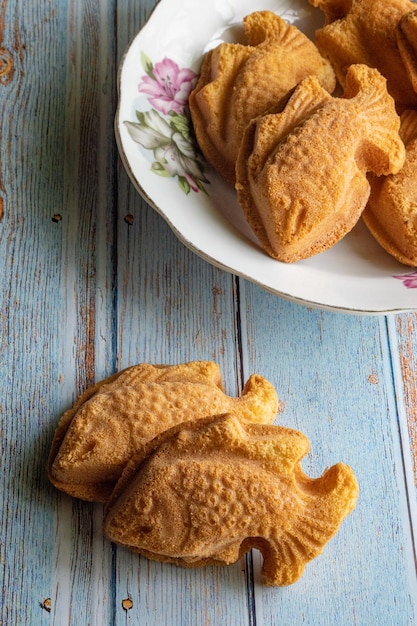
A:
[365, 31]
[238, 82]
[407, 45]
[115, 418]
[301, 174]
[205, 492]
[391, 213]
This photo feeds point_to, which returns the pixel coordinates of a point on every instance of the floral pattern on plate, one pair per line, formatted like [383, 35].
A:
[166, 128]
[409, 280]
[355, 276]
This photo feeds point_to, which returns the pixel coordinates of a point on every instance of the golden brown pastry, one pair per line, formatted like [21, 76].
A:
[238, 82]
[114, 419]
[391, 213]
[365, 31]
[407, 45]
[204, 493]
[301, 174]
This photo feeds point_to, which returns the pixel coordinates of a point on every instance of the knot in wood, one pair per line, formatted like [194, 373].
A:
[6, 66]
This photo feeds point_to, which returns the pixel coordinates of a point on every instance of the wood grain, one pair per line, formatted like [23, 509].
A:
[93, 280]
[407, 339]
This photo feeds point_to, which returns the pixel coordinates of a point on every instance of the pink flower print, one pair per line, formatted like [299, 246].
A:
[165, 129]
[409, 280]
[168, 86]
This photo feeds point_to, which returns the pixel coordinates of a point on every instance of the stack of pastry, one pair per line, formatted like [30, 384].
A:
[239, 82]
[302, 160]
[134, 406]
[383, 35]
[193, 477]
[301, 174]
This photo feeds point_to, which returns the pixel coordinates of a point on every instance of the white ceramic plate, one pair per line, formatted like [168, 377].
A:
[355, 276]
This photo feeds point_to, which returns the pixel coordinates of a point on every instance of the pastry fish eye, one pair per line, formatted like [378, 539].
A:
[164, 519]
[145, 529]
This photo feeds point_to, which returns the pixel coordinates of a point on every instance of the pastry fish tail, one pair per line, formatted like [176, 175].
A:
[328, 500]
[265, 26]
[380, 148]
[258, 402]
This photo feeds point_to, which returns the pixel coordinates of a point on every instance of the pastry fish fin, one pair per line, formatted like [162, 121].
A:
[266, 132]
[205, 372]
[307, 97]
[380, 148]
[285, 562]
[407, 44]
[258, 402]
[408, 130]
[279, 448]
[281, 564]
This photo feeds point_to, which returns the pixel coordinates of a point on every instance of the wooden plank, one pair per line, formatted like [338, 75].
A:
[334, 377]
[30, 243]
[82, 572]
[56, 242]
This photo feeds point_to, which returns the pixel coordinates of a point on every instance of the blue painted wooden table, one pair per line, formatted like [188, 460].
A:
[93, 280]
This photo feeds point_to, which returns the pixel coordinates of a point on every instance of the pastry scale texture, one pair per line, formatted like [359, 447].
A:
[114, 419]
[205, 492]
[301, 174]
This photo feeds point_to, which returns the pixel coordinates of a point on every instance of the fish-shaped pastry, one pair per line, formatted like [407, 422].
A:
[391, 212]
[114, 419]
[365, 31]
[237, 82]
[407, 45]
[301, 174]
[204, 493]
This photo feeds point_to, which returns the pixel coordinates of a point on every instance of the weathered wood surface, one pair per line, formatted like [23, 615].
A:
[84, 293]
